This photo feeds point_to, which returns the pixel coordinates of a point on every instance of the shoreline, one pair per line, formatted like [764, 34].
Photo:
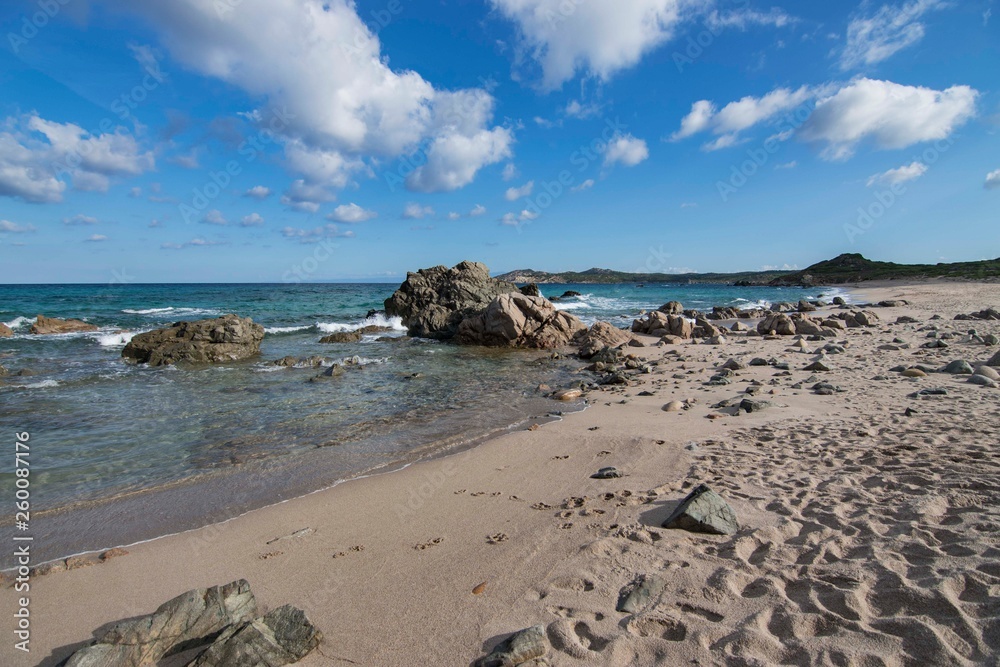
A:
[541, 566]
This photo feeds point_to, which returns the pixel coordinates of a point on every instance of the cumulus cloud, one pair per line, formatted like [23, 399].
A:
[316, 234]
[252, 220]
[414, 211]
[596, 38]
[258, 192]
[214, 217]
[993, 180]
[738, 116]
[80, 220]
[904, 174]
[509, 172]
[351, 213]
[14, 228]
[37, 156]
[306, 197]
[477, 211]
[518, 219]
[513, 194]
[626, 150]
[872, 39]
[328, 90]
[577, 109]
[891, 115]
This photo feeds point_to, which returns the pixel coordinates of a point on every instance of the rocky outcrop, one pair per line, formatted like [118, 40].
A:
[281, 637]
[671, 308]
[51, 325]
[226, 338]
[433, 302]
[5, 331]
[600, 336]
[777, 323]
[187, 621]
[704, 511]
[531, 289]
[342, 337]
[657, 323]
[516, 320]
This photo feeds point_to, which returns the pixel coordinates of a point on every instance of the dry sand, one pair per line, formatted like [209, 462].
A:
[869, 537]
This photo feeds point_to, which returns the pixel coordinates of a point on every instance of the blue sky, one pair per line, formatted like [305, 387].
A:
[287, 140]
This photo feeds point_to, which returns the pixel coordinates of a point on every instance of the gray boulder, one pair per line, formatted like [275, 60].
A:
[433, 302]
[983, 381]
[226, 338]
[704, 511]
[342, 337]
[988, 372]
[187, 621]
[521, 647]
[958, 367]
[515, 320]
[995, 361]
[600, 336]
[281, 637]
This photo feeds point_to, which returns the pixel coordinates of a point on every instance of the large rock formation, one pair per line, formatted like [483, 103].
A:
[600, 336]
[658, 323]
[433, 302]
[187, 621]
[516, 320]
[52, 325]
[777, 323]
[226, 338]
[5, 331]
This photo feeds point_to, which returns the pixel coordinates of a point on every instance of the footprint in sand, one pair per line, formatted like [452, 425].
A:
[496, 538]
[427, 545]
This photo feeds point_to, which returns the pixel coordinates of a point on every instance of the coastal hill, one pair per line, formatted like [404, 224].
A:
[846, 268]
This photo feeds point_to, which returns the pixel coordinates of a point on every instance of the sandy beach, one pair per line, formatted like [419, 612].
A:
[869, 534]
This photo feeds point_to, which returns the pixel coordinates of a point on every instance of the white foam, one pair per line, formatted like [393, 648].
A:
[579, 305]
[117, 339]
[282, 330]
[44, 384]
[148, 311]
[19, 322]
[170, 310]
[358, 361]
[377, 320]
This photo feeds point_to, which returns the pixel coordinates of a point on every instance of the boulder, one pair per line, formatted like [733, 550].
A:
[738, 327]
[995, 361]
[671, 308]
[342, 337]
[51, 325]
[839, 301]
[893, 303]
[187, 621]
[751, 405]
[988, 372]
[600, 336]
[281, 637]
[515, 320]
[518, 649]
[661, 324]
[226, 338]
[805, 307]
[983, 381]
[704, 511]
[779, 323]
[959, 367]
[433, 302]
[531, 289]
[5, 331]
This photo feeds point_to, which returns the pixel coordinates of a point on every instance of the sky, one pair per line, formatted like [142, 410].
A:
[308, 140]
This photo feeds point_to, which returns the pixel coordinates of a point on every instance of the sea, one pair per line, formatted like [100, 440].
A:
[122, 453]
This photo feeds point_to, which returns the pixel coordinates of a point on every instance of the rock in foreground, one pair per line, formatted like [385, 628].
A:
[516, 320]
[433, 302]
[518, 649]
[226, 338]
[704, 511]
[282, 637]
[51, 325]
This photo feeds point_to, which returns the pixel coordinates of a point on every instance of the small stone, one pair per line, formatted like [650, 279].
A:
[673, 406]
[704, 511]
[568, 394]
[914, 373]
[758, 362]
[959, 367]
[117, 552]
[640, 593]
[983, 381]
[518, 649]
[817, 366]
[607, 473]
[733, 365]
[751, 405]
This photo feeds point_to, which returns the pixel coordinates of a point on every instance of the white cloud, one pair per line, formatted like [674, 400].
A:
[215, 217]
[306, 197]
[414, 211]
[252, 220]
[586, 185]
[597, 38]
[135, 192]
[328, 90]
[513, 194]
[576, 109]
[258, 192]
[193, 243]
[37, 156]
[903, 174]
[351, 213]
[872, 39]
[95, 238]
[627, 150]
[316, 234]
[738, 116]
[14, 228]
[993, 180]
[516, 220]
[787, 165]
[81, 219]
[745, 18]
[187, 161]
[477, 211]
[891, 115]
[509, 172]
[454, 216]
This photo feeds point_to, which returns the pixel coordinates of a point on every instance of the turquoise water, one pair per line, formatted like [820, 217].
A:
[172, 448]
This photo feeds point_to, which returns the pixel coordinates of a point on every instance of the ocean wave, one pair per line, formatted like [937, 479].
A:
[358, 361]
[115, 339]
[44, 384]
[170, 310]
[284, 330]
[19, 322]
[377, 320]
[579, 305]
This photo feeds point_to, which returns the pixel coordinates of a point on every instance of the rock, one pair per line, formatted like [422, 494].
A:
[671, 308]
[568, 394]
[301, 362]
[640, 594]
[515, 320]
[531, 289]
[635, 342]
[185, 622]
[777, 322]
[817, 366]
[660, 324]
[569, 294]
[226, 338]
[837, 325]
[342, 337]
[934, 344]
[733, 365]
[988, 372]
[905, 319]
[839, 301]
[704, 511]
[805, 307]
[759, 362]
[3, 371]
[750, 405]
[914, 373]
[893, 303]
[983, 381]
[936, 391]
[433, 302]
[607, 473]
[600, 336]
[281, 637]
[518, 649]
[995, 361]
[739, 327]
[991, 340]
[5, 331]
[861, 318]
[673, 406]
[51, 325]
[716, 340]
[958, 367]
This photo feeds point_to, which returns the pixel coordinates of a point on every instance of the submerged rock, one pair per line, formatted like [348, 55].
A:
[5, 331]
[226, 338]
[704, 511]
[518, 649]
[342, 337]
[51, 325]
[515, 320]
[281, 637]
